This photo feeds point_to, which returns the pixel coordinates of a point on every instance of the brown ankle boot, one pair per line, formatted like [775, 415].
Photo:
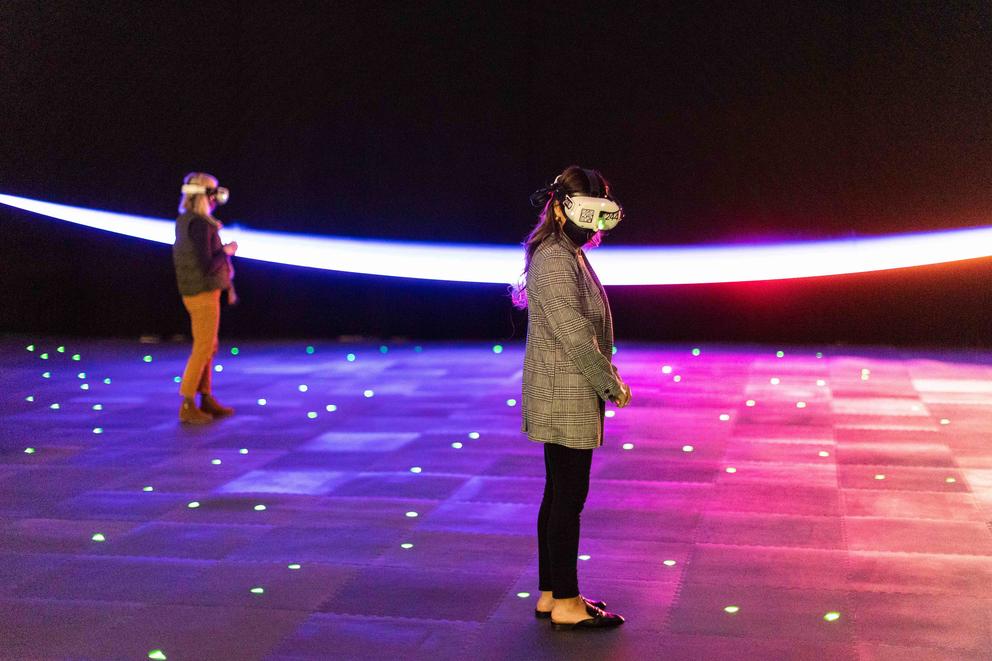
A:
[211, 406]
[189, 414]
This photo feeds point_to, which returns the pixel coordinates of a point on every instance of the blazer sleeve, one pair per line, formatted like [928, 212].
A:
[556, 281]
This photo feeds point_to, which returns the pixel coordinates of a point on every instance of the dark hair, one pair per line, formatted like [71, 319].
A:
[573, 181]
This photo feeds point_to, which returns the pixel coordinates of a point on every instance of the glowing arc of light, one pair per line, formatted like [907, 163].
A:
[617, 265]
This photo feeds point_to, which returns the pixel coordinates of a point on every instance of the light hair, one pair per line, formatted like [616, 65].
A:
[197, 202]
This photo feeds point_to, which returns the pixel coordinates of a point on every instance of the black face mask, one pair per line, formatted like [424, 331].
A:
[578, 235]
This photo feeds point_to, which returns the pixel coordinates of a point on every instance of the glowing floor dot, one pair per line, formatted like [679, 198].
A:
[158, 655]
[628, 446]
[383, 349]
[457, 445]
[84, 386]
[177, 379]
[147, 359]
[832, 616]
[351, 357]
[107, 381]
[473, 435]
[61, 349]
[945, 421]
[148, 488]
[44, 356]
[615, 349]
[879, 476]
[311, 414]
[215, 462]
[295, 565]
[498, 348]
[669, 563]
[412, 515]
[310, 350]
[30, 347]
[218, 368]
[696, 352]
[676, 378]
[950, 480]
[98, 430]
[731, 609]
[584, 557]
[823, 453]
[262, 401]
[775, 380]
[418, 349]
[416, 469]
[303, 387]
[750, 402]
[46, 375]
[76, 357]
[406, 545]
[369, 394]
[821, 382]
[780, 354]
[724, 417]
[81, 375]
[523, 595]
[259, 508]
[243, 451]
[258, 590]
[29, 398]
[193, 505]
[29, 450]
[98, 537]
[55, 407]
[731, 469]
[98, 407]
[331, 408]
[819, 354]
[611, 413]
[687, 448]
[511, 402]
[235, 351]
[666, 369]
[800, 405]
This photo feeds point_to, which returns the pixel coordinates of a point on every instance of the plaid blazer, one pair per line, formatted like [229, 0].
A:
[568, 371]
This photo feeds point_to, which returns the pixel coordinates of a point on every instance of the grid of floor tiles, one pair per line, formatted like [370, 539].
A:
[379, 502]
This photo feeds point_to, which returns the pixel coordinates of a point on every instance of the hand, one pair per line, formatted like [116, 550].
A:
[231, 248]
[623, 399]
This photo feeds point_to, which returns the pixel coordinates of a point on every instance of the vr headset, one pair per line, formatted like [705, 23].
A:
[597, 211]
[221, 193]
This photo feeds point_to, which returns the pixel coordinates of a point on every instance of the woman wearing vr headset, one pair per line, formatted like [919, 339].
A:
[203, 270]
[568, 377]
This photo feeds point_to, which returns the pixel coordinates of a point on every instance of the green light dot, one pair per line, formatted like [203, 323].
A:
[235, 351]
[76, 357]
[310, 350]
[29, 398]
[406, 545]
[457, 445]
[412, 515]
[61, 349]
[177, 379]
[258, 590]
[676, 378]
[218, 368]
[295, 565]
[148, 488]
[30, 347]
[243, 451]
[628, 446]
[158, 655]
[312, 414]
[98, 430]
[98, 407]
[584, 557]
[350, 357]
[55, 407]
[832, 616]
[262, 401]
[669, 563]
[29, 450]
[215, 462]
[46, 375]
[44, 356]
[696, 352]
[331, 408]
[416, 469]
[81, 375]
[98, 537]
[259, 508]
[303, 387]
[383, 349]
[523, 595]
[369, 393]
[473, 435]
[780, 354]
[85, 386]
[511, 402]
[731, 609]
[147, 359]
[497, 348]
[193, 505]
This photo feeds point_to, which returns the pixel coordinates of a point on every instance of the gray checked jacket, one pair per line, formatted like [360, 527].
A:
[568, 371]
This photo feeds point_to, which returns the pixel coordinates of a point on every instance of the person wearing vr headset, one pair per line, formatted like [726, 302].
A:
[568, 377]
[203, 270]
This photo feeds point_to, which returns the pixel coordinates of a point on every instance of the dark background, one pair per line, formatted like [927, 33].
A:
[722, 122]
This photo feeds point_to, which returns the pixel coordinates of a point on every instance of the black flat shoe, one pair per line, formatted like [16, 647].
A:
[599, 620]
[546, 615]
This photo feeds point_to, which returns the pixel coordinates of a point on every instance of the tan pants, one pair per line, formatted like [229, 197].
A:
[204, 316]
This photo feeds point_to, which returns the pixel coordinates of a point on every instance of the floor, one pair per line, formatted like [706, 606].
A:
[371, 502]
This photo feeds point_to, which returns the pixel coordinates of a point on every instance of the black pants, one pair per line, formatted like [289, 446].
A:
[565, 489]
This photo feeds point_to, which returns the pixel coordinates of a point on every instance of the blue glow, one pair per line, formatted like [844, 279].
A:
[616, 265]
